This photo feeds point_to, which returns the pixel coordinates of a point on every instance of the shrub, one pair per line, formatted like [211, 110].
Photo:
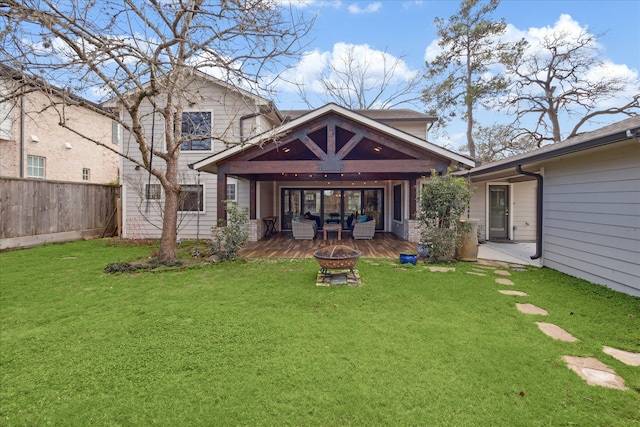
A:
[444, 200]
[230, 236]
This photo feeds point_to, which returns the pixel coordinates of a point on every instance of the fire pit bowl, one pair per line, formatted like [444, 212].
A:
[337, 257]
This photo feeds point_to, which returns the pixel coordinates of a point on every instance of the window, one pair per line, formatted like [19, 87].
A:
[231, 192]
[152, 191]
[397, 202]
[85, 174]
[191, 198]
[115, 132]
[35, 167]
[196, 131]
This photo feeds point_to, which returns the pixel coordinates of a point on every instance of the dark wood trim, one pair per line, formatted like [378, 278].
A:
[252, 199]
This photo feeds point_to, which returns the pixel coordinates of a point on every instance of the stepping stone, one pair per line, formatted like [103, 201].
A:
[516, 293]
[442, 269]
[475, 273]
[556, 332]
[531, 309]
[339, 279]
[594, 372]
[502, 281]
[626, 357]
[502, 272]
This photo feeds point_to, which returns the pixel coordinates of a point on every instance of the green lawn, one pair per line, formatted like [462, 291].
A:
[258, 343]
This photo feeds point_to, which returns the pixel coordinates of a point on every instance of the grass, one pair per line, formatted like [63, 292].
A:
[257, 343]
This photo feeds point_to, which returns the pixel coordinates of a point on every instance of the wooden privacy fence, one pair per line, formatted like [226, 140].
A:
[34, 211]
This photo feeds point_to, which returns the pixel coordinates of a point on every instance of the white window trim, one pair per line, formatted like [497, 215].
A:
[235, 192]
[204, 201]
[197, 110]
[44, 167]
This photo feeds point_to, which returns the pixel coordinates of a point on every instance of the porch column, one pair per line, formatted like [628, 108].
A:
[252, 199]
[413, 196]
[221, 193]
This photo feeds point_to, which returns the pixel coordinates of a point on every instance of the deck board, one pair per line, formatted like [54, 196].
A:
[283, 245]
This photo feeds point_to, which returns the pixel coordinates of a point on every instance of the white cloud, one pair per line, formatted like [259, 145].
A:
[315, 63]
[355, 8]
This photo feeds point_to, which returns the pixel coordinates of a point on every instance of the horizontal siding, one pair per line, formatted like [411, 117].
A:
[523, 208]
[477, 207]
[227, 108]
[592, 216]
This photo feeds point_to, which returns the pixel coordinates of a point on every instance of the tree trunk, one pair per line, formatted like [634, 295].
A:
[168, 245]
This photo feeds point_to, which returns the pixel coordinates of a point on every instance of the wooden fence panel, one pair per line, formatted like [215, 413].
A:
[30, 207]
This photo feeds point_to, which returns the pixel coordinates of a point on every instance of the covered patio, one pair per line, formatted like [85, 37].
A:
[333, 164]
[282, 245]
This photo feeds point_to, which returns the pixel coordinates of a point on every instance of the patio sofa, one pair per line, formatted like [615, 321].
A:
[364, 230]
[304, 229]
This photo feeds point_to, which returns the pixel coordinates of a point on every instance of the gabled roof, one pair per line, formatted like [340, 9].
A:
[620, 131]
[40, 84]
[259, 100]
[397, 115]
[326, 109]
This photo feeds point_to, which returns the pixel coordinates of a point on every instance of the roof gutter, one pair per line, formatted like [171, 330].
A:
[539, 195]
[569, 149]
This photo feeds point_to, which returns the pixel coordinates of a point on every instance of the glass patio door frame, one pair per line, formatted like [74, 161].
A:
[499, 213]
[343, 212]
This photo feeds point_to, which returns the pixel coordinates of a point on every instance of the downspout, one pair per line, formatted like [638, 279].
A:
[539, 194]
[22, 127]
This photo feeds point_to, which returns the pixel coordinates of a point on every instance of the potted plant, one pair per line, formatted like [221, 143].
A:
[443, 202]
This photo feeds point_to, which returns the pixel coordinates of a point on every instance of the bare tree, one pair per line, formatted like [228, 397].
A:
[500, 142]
[564, 77]
[458, 77]
[139, 53]
[364, 80]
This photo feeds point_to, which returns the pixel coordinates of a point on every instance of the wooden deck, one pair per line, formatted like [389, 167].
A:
[283, 245]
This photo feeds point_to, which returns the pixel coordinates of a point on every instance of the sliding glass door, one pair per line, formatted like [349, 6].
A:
[332, 206]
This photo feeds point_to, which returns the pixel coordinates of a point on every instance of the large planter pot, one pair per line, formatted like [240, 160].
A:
[468, 251]
[408, 258]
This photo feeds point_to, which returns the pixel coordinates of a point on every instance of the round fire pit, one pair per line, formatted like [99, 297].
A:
[337, 257]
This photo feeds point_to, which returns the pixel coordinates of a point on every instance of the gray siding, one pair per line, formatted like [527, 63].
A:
[477, 207]
[140, 222]
[523, 208]
[592, 216]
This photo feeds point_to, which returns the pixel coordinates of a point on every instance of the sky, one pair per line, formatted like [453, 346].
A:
[406, 30]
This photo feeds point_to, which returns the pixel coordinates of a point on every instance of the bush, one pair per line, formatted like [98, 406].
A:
[231, 236]
[443, 202]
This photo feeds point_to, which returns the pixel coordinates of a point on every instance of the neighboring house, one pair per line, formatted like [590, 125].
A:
[34, 145]
[578, 199]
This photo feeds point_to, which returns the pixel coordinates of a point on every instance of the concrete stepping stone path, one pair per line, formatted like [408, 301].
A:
[502, 272]
[515, 293]
[626, 357]
[531, 309]
[556, 332]
[594, 372]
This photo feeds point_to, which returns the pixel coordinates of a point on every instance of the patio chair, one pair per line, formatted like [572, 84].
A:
[304, 229]
[364, 230]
